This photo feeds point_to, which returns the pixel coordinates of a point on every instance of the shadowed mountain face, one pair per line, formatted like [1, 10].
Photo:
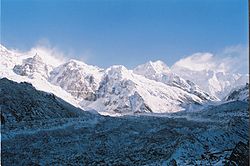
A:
[21, 102]
[41, 129]
[239, 93]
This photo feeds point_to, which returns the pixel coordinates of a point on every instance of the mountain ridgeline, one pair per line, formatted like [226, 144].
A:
[150, 87]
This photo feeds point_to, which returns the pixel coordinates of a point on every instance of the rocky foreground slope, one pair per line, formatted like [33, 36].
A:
[38, 128]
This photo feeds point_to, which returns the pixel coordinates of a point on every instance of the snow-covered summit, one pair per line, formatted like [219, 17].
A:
[26, 66]
[159, 72]
[32, 66]
[151, 69]
[8, 59]
[77, 78]
[216, 83]
[118, 71]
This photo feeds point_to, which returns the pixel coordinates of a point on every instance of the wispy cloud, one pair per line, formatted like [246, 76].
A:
[231, 59]
[52, 55]
[236, 58]
[44, 47]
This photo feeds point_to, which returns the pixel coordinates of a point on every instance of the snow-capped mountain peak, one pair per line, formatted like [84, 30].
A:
[159, 66]
[8, 59]
[151, 68]
[32, 66]
[159, 72]
[77, 78]
[216, 83]
[73, 64]
[118, 72]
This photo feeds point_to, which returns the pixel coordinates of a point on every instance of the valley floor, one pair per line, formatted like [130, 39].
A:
[212, 137]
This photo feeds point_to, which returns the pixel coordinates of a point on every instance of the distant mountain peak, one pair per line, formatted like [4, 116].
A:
[75, 62]
[118, 71]
[152, 67]
[216, 83]
[160, 72]
[31, 66]
[159, 65]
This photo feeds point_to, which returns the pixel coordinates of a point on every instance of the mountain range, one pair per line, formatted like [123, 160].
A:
[150, 87]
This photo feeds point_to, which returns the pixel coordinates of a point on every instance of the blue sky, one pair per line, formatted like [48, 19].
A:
[128, 32]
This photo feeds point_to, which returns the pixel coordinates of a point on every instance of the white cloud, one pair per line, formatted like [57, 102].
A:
[50, 55]
[236, 58]
[197, 62]
[44, 47]
[231, 59]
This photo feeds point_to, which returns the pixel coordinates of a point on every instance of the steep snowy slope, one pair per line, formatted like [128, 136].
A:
[159, 71]
[20, 67]
[216, 83]
[8, 59]
[77, 78]
[123, 91]
[240, 93]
